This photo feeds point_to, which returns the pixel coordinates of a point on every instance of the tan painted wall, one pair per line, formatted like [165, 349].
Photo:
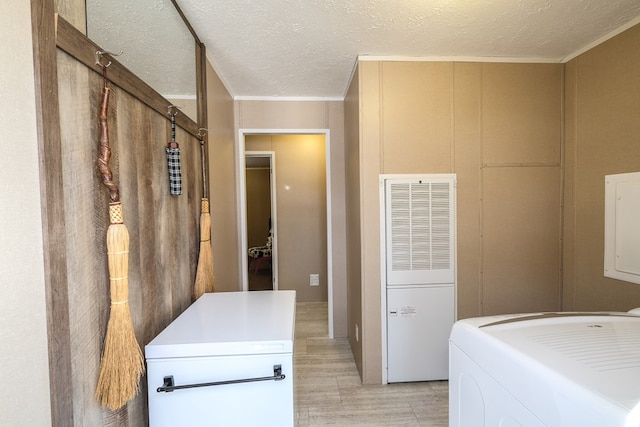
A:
[498, 127]
[370, 166]
[602, 135]
[520, 188]
[24, 364]
[354, 245]
[258, 206]
[299, 115]
[222, 192]
[468, 120]
[301, 218]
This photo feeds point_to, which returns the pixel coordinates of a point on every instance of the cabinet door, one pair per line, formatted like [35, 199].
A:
[419, 321]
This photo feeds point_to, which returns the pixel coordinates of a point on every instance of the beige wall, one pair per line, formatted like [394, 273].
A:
[354, 245]
[258, 206]
[498, 127]
[24, 365]
[520, 189]
[222, 192]
[468, 120]
[370, 166]
[602, 135]
[314, 115]
[301, 218]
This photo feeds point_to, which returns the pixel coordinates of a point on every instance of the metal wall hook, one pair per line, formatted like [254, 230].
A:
[171, 107]
[201, 133]
[100, 53]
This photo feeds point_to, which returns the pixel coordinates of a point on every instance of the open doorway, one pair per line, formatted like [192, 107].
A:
[304, 261]
[261, 213]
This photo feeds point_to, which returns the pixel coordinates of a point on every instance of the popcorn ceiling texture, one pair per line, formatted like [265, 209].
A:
[308, 48]
[156, 45]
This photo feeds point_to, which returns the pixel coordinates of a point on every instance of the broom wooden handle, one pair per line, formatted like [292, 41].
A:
[105, 151]
[205, 189]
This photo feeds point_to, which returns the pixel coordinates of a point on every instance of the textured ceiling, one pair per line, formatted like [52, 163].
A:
[308, 48]
[156, 44]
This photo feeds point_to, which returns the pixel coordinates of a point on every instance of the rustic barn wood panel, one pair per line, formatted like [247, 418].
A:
[85, 276]
[164, 229]
[51, 189]
[72, 41]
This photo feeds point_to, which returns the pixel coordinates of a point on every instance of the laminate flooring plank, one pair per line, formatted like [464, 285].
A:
[329, 391]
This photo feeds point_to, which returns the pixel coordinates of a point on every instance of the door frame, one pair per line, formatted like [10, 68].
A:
[242, 204]
[271, 155]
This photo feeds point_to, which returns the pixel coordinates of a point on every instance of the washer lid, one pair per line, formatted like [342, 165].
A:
[229, 323]
[571, 358]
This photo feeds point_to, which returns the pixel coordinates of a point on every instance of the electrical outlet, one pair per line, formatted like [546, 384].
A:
[314, 280]
[357, 337]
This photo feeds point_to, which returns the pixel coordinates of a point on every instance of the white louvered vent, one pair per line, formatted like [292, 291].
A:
[420, 230]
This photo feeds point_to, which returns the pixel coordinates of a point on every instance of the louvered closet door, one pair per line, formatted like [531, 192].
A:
[420, 230]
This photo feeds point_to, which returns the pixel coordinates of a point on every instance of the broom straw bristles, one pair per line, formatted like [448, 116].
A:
[205, 275]
[122, 362]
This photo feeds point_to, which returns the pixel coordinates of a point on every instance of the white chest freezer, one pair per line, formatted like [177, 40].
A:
[226, 361]
[547, 369]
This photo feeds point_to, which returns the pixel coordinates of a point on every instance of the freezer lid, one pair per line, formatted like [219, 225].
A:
[229, 323]
[599, 352]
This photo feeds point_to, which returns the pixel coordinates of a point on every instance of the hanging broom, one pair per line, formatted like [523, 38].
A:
[205, 276]
[122, 363]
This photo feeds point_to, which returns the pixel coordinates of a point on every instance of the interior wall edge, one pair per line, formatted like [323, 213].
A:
[49, 148]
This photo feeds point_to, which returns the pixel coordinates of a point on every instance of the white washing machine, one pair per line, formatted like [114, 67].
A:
[545, 369]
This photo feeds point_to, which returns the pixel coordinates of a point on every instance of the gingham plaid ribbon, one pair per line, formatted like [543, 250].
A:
[175, 176]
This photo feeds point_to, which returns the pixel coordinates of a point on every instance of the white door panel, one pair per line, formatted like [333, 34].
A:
[419, 321]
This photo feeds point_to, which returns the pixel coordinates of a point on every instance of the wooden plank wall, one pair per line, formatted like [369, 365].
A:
[51, 189]
[164, 235]
[163, 228]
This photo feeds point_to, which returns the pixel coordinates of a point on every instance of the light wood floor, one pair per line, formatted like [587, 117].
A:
[328, 390]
